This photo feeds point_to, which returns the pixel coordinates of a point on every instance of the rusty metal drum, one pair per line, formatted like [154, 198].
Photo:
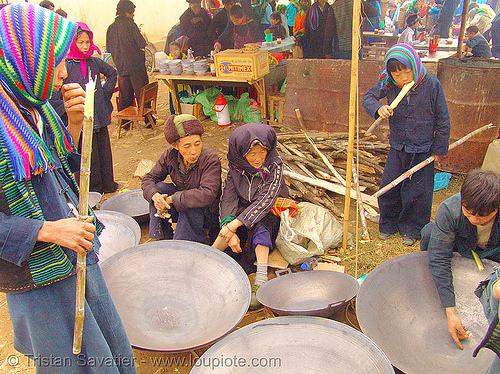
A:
[471, 90]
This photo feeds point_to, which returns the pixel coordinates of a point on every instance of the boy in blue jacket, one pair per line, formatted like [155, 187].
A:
[420, 127]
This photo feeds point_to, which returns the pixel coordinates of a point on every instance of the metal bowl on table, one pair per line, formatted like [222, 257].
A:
[294, 344]
[308, 293]
[175, 295]
[398, 307]
[120, 232]
[131, 203]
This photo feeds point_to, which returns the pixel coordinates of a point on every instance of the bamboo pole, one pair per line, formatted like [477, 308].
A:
[83, 211]
[393, 105]
[361, 208]
[427, 161]
[353, 98]
[320, 154]
[341, 190]
[465, 12]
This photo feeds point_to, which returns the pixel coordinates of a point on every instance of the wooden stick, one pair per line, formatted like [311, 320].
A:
[83, 212]
[323, 157]
[393, 105]
[427, 161]
[465, 12]
[328, 186]
[365, 235]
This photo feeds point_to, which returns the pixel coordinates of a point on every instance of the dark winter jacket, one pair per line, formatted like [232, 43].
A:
[197, 32]
[250, 194]
[237, 36]
[198, 187]
[453, 231]
[421, 122]
[103, 93]
[126, 45]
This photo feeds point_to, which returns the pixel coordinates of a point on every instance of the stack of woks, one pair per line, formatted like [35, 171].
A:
[306, 173]
[250, 48]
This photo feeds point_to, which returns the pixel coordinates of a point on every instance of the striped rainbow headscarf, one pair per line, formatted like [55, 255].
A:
[33, 41]
[407, 55]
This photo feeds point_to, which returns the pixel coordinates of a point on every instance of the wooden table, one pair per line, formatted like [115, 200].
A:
[208, 80]
[388, 39]
[430, 61]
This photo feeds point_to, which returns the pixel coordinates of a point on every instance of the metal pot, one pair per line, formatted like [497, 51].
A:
[131, 203]
[94, 199]
[120, 232]
[308, 293]
[175, 295]
[399, 308]
[292, 345]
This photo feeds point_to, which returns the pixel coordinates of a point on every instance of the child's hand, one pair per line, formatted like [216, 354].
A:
[234, 244]
[385, 111]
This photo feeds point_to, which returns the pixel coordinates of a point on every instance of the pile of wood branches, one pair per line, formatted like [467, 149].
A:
[310, 178]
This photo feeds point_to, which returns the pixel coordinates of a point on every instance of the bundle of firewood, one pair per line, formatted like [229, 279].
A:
[310, 178]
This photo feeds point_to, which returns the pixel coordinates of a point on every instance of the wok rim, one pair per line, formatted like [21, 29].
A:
[216, 253]
[112, 200]
[374, 349]
[317, 312]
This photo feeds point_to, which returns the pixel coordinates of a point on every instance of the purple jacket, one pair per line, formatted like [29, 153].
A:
[198, 187]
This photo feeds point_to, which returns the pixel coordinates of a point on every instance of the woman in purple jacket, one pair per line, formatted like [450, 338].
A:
[254, 182]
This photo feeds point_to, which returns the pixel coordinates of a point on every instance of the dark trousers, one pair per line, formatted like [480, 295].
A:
[101, 163]
[407, 207]
[130, 86]
[495, 39]
[446, 17]
[196, 225]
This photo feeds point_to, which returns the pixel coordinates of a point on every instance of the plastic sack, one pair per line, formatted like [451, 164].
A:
[207, 99]
[441, 181]
[310, 233]
[241, 106]
[253, 114]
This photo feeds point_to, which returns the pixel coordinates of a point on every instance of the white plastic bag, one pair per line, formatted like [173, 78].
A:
[310, 233]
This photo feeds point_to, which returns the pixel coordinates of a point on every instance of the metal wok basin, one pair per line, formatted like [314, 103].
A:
[175, 295]
[308, 293]
[94, 198]
[292, 345]
[120, 232]
[398, 307]
[131, 203]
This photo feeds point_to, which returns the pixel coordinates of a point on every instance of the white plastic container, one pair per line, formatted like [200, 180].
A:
[492, 157]
[158, 57]
[222, 110]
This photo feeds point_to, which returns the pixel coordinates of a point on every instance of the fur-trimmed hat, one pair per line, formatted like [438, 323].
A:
[180, 126]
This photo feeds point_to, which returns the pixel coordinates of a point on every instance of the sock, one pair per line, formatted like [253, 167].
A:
[261, 275]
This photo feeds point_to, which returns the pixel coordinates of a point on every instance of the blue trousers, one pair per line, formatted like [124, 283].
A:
[407, 207]
[43, 321]
[490, 305]
[196, 225]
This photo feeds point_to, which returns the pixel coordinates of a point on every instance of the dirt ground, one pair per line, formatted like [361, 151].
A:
[128, 152]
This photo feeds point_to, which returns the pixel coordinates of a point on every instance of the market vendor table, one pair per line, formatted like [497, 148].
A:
[208, 80]
[442, 45]
[388, 38]
[286, 45]
[430, 60]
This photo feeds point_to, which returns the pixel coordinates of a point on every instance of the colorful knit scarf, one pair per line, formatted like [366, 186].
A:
[33, 41]
[314, 17]
[407, 55]
[76, 54]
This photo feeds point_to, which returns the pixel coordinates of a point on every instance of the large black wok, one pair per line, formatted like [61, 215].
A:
[294, 345]
[399, 308]
[175, 295]
[308, 293]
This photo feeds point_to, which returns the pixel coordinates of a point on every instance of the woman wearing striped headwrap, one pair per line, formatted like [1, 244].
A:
[39, 234]
[419, 127]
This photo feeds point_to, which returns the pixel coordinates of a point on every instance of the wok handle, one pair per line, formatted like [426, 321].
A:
[338, 303]
[283, 272]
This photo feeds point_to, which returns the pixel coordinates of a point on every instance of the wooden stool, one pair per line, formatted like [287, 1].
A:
[276, 98]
